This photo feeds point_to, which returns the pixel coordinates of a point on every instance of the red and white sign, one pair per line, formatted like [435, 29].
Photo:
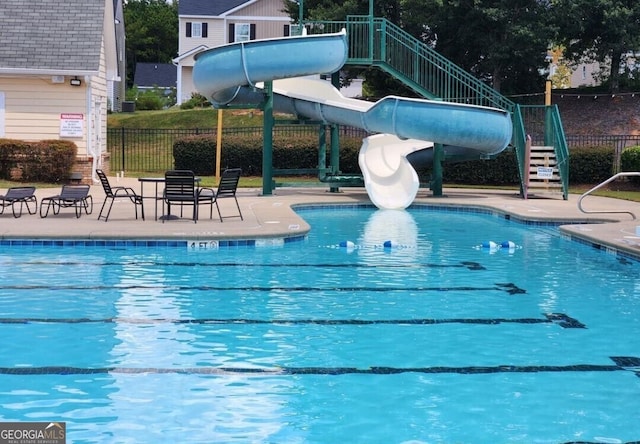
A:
[71, 125]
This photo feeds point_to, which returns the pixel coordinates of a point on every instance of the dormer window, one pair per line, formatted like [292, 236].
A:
[197, 29]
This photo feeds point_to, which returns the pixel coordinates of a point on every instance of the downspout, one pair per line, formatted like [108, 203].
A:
[91, 151]
[178, 83]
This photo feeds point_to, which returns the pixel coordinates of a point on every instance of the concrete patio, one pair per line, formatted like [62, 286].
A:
[272, 217]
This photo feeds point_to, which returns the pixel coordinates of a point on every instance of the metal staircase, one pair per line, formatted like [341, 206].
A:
[378, 42]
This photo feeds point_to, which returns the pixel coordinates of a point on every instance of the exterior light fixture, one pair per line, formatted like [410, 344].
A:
[75, 81]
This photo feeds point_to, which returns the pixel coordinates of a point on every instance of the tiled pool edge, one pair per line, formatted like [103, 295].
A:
[264, 241]
[195, 244]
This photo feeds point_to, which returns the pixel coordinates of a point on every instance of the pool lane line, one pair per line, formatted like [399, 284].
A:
[621, 363]
[560, 319]
[508, 288]
[474, 266]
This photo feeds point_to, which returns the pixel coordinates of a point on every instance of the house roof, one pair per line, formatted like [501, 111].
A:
[208, 7]
[162, 75]
[53, 36]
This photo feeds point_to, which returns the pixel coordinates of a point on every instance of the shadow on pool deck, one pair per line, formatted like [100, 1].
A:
[273, 217]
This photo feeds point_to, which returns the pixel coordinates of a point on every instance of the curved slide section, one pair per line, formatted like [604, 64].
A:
[391, 181]
[233, 73]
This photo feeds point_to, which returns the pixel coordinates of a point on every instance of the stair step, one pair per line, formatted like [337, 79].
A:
[554, 176]
[544, 185]
[542, 156]
[542, 148]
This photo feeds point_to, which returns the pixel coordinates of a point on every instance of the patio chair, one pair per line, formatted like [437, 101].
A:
[113, 193]
[21, 195]
[227, 188]
[76, 196]
[180, 188]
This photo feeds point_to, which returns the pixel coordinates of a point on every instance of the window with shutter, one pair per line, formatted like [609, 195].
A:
[197, 29]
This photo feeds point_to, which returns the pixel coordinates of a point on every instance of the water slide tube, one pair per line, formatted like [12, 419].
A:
[408, 127]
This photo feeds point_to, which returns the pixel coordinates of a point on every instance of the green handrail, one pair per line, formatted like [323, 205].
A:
[378, 42]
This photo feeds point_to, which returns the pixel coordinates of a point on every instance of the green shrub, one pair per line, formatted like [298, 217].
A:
[589, 165]
[196, 101]
[500, 170]
[630, 162]
[11, 151]
[48, 161]
[198, 153]
[150, 100]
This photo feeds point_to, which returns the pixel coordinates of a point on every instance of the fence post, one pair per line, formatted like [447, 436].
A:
[122, 148]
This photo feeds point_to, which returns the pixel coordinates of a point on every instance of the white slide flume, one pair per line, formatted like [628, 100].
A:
[391, 181]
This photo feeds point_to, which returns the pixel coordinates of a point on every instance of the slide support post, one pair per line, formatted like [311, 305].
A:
[436, 179]
[267, 143]
[335, 155]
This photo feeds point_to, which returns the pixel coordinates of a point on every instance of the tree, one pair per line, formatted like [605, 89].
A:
[502, 42]
[338, 10]
[151, 33]
[599, 31]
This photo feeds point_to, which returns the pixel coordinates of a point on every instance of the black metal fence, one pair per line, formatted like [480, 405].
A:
[151, 150]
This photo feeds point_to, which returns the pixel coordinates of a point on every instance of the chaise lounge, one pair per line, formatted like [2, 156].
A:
[21, 195]
[76, 196]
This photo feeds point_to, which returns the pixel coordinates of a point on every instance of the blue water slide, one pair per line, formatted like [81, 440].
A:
[404, 128]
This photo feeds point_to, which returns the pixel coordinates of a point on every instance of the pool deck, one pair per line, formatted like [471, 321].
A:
[272, 217]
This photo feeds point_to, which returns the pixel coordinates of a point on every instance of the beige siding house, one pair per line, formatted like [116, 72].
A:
[56, 80]
[204, 25]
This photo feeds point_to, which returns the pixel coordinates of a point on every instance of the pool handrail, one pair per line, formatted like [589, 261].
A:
[609, 180]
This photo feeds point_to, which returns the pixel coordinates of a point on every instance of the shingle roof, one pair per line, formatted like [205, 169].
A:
[207, 7]
[155, 74]
[51, 35]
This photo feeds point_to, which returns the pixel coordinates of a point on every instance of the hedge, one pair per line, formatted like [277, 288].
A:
[198, 153]
[587, 165]
[47, 161]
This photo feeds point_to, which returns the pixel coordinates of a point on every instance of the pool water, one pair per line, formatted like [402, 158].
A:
[434, 339]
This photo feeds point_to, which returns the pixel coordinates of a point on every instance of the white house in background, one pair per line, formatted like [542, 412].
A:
[207, 24]
[59, 63]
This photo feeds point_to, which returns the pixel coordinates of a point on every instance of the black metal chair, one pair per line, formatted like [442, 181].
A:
[76, 196]
[21, 195]
[227, 188]
[113, 193]
[180, 188]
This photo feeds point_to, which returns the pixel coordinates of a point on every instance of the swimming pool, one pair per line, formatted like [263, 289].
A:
[434, 339]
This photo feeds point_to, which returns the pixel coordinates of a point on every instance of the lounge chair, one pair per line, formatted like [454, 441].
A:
[227, 188]
[180, 188]
[21, 195]
[76, 196]
[112, 193]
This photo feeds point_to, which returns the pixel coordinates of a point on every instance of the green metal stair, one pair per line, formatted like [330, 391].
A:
[378, 42]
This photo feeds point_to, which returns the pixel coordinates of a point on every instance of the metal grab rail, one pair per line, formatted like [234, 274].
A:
[609, 180]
